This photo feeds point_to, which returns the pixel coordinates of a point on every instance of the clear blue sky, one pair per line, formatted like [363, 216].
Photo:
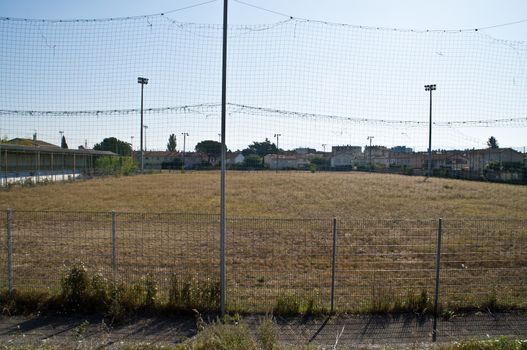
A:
[416, 14]
[279, 78]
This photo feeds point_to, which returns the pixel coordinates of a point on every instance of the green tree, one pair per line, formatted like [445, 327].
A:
[261, 149]
[492, 142]
[171, 145]
[252, 161]
[112, 144]
[108, 165]
[211, 148]
[63, 143]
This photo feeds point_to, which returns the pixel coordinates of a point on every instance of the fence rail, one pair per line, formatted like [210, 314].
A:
[346, 265]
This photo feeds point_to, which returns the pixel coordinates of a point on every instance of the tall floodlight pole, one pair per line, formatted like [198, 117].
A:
[143, 82]
[276, 159]
[223, 285]
[185, 134]
[145, 127]
[370, 138]
[430, 88]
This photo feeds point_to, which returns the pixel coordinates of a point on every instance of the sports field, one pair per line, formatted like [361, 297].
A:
[280, 195]
[279, 236]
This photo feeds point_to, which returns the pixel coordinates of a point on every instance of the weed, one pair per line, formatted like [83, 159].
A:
[502, 343]
[267, 334]
[190, 293]
[287, 305]
[80, 330]
[223, 336]
[150, 292]
[419, 304]
[385, 302]
[25, 303]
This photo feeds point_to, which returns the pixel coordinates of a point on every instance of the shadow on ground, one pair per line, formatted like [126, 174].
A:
[403, 330]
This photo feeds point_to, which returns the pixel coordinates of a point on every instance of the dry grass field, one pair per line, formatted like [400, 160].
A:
[280, 195]
[279, 239]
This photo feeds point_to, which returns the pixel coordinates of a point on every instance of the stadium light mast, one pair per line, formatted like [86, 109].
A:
[430, 88]
[276, 159]
[143, 82]
[145, 127]
[185, 134]
[370, 138]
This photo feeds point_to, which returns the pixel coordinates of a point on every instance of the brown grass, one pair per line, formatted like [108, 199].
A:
[287, 194]
[380, 263]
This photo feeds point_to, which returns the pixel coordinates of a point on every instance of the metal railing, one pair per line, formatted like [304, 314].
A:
[348, 265]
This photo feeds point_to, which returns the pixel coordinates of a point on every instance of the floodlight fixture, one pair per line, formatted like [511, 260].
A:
[143, 82]
[430, 87]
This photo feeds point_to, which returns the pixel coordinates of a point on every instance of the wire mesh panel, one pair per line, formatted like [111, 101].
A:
[3, 249]
[385, 264]
[45, 244]
[172, 248]
[278, 263]
[484, 263]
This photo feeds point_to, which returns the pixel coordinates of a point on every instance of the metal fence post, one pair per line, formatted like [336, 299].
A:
[438, 267]
[333, 264]
[9, 228]
[114, 255]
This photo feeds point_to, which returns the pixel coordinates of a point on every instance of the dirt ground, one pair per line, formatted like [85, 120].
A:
[348, 331]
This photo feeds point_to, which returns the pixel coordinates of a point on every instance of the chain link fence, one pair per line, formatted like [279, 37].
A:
[348, 265]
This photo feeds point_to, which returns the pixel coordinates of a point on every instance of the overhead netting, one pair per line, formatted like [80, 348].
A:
[313, 83]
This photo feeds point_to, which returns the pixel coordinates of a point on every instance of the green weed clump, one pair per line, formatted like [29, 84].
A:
[267, 334]
[189, 293]
[288, 305]
[383, 303]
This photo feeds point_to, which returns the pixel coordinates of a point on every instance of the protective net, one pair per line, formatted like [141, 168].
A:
[298, 83]
[316, 83]
[300, 93]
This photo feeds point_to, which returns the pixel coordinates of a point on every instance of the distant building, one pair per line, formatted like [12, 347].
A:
[401, 149]
[479, 158]
[346, 156]
[235, 158]
[154, 160]
[305, 150]
[286, 161]
[378, 155]
[35, 160]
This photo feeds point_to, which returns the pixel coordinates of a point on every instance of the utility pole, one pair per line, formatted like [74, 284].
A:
[185, 134]
[143, 82]
[430, 88]
[370, 138]
[223, 284]
[277, 150]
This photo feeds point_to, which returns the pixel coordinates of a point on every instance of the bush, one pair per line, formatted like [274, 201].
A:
[115, 165]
